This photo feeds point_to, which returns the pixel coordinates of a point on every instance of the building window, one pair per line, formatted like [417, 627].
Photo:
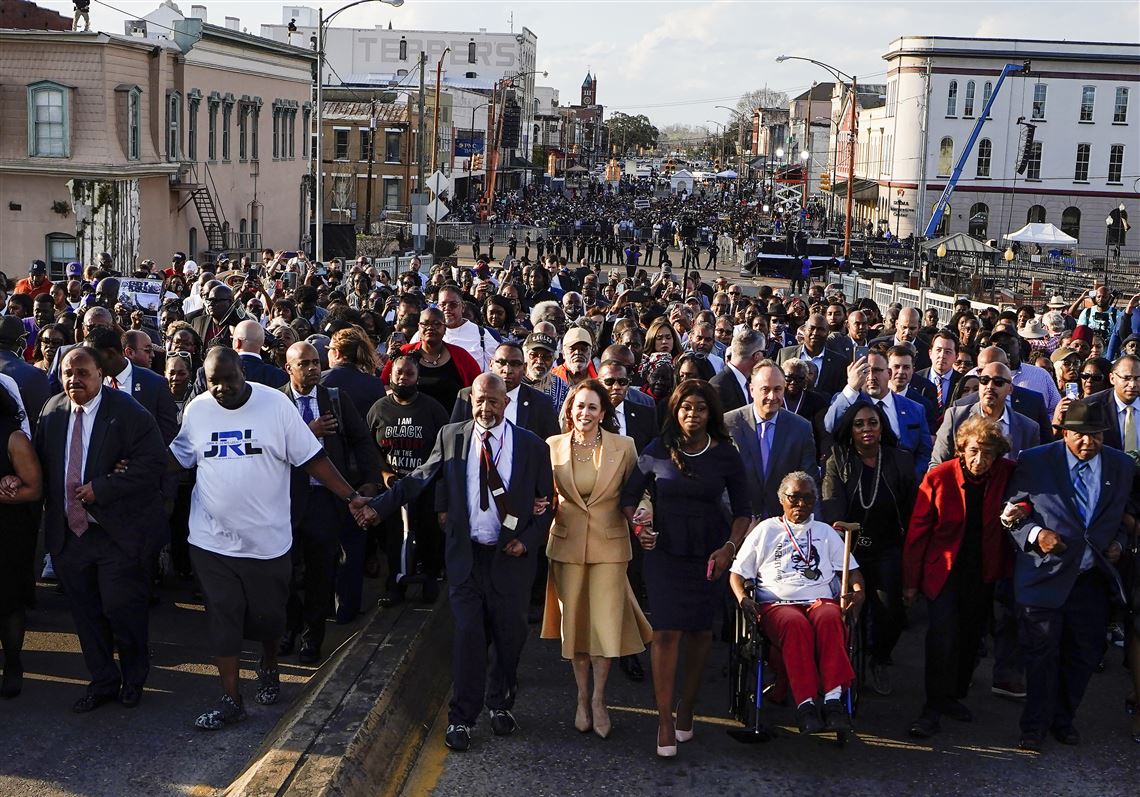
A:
[1071, 222]
[277, 114]
[1088, 99]
[945, 157]
[192, 126]
[979, 220]
[1033, 162]
[987, 92]
[227, 112]
[1081, 168]
[1120, 106]
[340, 144]
[1115, 162]
[255, 113]
[968, 101]
[134, 123]
[365, 144]
[391, 193]
[952, 99]
[1116, 234]
[292, 132]
[471, 52]
[212, 131]
[59, 250]
[1040, 91]
[49, 122]
[392, 146]
[243, 130]
[342, 193]
[1035, 215]
[403, 49]
[985, 156]
[173, 125]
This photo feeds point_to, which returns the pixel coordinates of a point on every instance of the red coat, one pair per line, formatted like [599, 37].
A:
[938, 524]
[464, 363]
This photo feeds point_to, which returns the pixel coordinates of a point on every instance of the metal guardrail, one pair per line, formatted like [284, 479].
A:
[884, 293]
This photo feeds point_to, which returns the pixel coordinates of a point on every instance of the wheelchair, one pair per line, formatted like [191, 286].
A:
[753, 676]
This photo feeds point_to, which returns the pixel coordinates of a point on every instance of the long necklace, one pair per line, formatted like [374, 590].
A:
[431, 362]
[796, 411]
[589, 448]
[859, 490]
[708, 445]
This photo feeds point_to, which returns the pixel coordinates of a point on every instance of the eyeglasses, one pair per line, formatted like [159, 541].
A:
[997, 381]
[510, 363]
[182, 355]
[793, 378]
[430, 324]
[610, 381]
[799, 498]
[449, 305]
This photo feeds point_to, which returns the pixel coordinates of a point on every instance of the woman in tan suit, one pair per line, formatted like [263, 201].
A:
[590, 605]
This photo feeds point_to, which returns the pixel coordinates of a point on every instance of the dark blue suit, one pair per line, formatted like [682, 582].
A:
[33, 384]
[151, 390]
[487, 588]
[914, 433]
[364, 389]
[1063, 612]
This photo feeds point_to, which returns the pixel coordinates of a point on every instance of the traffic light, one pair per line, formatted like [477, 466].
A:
[716, 164]
[477, 162]
[825, 181]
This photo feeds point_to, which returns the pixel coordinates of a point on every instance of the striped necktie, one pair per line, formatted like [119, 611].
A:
[1081, 489]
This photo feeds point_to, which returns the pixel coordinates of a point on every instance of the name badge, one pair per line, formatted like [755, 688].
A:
[497, 492]
[510, 522]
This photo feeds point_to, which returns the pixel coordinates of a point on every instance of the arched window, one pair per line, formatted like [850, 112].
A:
[985, 156]
[1071, 222]
[49, 120]
[403, 49]
[968, 102]
[987, 90]
[952, 99]
[945, 157]
[979, 220]
[1035, 215]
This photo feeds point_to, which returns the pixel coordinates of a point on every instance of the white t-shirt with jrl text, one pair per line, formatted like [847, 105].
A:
[240, 506]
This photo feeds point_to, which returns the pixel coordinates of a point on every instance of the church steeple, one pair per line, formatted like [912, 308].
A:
[589, 89]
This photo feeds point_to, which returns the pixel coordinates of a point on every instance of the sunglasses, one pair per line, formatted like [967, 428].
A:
[182, 355]
[799, 498]
[998, 381]
[610, 381]
[1093, 377]
[509, 363]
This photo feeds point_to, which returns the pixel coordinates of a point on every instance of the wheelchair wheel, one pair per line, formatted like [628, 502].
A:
[857, 654]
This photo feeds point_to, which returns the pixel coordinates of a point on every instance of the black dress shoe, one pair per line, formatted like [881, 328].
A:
[130, 696]
[807, 717]
[287, 643]
[458, 737]
[925, 726]
[503, 722]
[310, 652]
[631, 666]
[835, 716]
[91, 701]
[393, 597]
[1030, 742]
[1069, 736]
[13, 682]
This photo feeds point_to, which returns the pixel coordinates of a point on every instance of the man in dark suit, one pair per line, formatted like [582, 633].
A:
[1120, 404]
[1070, 499]
[323, 531]
[851, 342]
[493, 475]
[773, 442]
[529, 408]
[217, 326]
[830, 364]
[143, 385]
[904, 380]
[941, 374]
[94, 317]
[1028, 402]
[732, 382]
[634, 420]
[906, 331]
[249, 339]
[31, 381]
[98, 523]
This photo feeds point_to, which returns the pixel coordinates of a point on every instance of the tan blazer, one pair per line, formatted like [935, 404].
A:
[594, 530]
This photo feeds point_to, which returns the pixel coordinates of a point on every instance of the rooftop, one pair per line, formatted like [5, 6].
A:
[387, 112]
[820, 92]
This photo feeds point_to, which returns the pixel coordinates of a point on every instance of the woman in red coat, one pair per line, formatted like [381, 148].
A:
[955, 549]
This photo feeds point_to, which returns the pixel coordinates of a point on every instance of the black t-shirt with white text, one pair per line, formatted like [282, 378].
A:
[405, 432]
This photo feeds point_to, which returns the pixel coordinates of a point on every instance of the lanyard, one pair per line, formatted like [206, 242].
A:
[795, 544]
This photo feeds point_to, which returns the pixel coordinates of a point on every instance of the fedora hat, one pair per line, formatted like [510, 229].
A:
[1056, 302]
[1033, 330]
[1085, 417]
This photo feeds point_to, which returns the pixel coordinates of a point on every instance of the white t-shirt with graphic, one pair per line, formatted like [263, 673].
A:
[802, 571]
[240, 506]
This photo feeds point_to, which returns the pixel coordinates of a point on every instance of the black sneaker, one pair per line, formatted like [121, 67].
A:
[227, 712]
[807, 715]
[458, 737]
[835, 717]
[268, 685]
[503, 722]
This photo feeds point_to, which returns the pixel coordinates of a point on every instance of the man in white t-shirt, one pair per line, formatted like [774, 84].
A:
[243, 438]
[793, 561]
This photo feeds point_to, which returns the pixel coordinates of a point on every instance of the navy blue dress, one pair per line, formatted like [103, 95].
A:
[691, 522]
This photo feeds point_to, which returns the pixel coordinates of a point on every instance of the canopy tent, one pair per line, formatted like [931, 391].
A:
[727, 174]
[959, 242]
[1044, 234]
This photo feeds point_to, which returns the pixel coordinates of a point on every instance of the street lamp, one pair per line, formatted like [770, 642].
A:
[470, 171]
[322, 23]
[840, 76]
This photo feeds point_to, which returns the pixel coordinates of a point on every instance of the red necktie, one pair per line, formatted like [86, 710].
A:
[76, 512]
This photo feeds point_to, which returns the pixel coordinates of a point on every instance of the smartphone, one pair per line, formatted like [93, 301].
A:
[288, 255]
[1072, 390]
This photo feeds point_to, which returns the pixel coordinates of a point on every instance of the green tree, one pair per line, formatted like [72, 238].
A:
[630, 132]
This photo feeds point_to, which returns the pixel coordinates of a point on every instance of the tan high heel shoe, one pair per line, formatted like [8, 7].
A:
[582, 718]
[602, 724]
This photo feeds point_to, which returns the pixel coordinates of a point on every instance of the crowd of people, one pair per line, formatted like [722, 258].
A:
[626, 455]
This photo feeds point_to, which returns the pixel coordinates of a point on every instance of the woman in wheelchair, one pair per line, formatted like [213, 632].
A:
[794, 561]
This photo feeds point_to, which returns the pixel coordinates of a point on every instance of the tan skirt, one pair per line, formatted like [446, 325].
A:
[592, 609]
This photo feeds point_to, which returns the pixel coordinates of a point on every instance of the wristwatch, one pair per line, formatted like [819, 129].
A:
[348, 499]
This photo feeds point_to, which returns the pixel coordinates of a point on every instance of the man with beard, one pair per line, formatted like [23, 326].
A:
[404, 425]
[577, 349]
[994, 389]
[572, 305]
[216, 326]
[538, 350]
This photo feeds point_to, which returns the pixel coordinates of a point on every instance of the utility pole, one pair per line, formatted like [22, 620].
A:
[371, 158]
[851, 134]
[435, 116]
[419, 200]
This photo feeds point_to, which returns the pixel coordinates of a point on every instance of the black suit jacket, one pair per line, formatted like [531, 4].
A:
[531, 477]
[1029, 403]
[955, 378]
[33, 384]
[1113, 437]
[127, 505]
[352, 436]
[832, 376]
[535, 411]
[731, 396]
[150, 390]
[364, 389]
[640, 424]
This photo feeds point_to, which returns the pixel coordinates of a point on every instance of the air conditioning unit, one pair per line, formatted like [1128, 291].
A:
[135, 27]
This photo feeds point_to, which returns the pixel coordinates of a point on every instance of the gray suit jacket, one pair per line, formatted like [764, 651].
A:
[793, 448]
[1023, 431]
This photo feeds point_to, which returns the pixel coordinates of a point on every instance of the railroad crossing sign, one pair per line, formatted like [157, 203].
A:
[438, 183]
[436, 210]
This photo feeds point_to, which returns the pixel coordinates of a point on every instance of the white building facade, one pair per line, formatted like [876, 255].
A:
[1083, 162]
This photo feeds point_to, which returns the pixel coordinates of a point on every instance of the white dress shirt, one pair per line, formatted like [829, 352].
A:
[1121, 417]
[89, 410]
[512, 412]
[1003, 421]
[486, 524]
[124, 379]
[619, 414]
[741, 379]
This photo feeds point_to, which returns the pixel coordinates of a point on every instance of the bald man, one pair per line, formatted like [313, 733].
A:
[906, 331]
[993, 394]
[1029, 403]
[248, 340]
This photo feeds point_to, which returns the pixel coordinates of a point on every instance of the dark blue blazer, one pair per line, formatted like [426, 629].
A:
[531, 478]
[364, 389]
[1042, 479]
[152, 391]
[33, 384]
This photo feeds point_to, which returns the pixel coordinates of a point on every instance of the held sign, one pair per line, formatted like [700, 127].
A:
[145, 294]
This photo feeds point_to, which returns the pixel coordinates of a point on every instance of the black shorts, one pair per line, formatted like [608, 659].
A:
[245, 598]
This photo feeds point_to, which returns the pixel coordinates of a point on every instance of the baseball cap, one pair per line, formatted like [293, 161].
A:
[576, 335]
[178, 256]
[74, 269]
[537, 340]
[37, 267]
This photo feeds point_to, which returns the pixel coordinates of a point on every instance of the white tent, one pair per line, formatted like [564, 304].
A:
[1044, 234]
[727, 174]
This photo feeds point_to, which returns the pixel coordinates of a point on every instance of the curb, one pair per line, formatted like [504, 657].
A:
[358, 728]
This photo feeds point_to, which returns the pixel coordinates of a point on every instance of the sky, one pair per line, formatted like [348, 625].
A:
[676, 60]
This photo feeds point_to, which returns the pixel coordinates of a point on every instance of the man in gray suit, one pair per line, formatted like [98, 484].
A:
[773, 442]
[996, 384]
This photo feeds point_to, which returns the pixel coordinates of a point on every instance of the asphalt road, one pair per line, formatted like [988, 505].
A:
[548, 757]
[151, 750]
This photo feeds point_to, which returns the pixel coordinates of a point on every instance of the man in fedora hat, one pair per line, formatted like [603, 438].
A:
[1065, 513]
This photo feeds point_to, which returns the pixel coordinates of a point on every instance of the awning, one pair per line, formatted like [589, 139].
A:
[863, 190]
[959, 242]
[1047, 234]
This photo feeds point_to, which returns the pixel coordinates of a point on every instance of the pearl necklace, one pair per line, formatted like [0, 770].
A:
[708, 445]
[590, 448]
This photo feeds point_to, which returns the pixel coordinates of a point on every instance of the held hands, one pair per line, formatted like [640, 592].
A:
[1112, 552]
[514, 548]
[1013, 514]
[852, 601]
[9, 485]
[362, 512]
[540, 505]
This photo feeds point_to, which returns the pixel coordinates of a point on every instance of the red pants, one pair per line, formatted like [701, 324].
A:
[812, 642]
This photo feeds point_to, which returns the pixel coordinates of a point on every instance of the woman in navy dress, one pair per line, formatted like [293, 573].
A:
[690, 544]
